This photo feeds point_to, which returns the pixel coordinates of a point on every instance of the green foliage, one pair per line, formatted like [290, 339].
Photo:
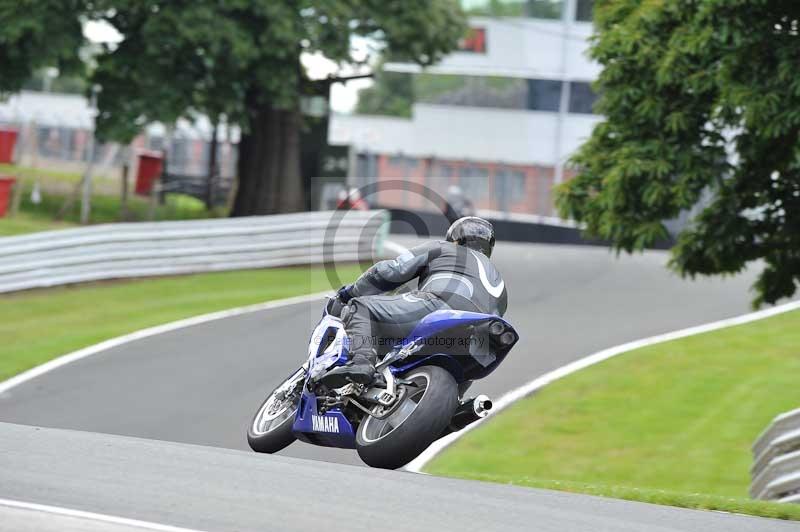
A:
[72, 84]
[395, 92]
[229, 58]
[433, 87]
[391, 94]
[58, 188]
[682, 82]
[23, 223]
[35, 34]
[237, 61]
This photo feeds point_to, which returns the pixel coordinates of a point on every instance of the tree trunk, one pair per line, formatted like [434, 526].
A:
[212, 176]
[269, 164]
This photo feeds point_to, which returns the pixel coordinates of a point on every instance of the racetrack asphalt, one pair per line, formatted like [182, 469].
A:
[203, 488]
[202, 384]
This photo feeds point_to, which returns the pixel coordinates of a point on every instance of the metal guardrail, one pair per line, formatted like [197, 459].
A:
[776, 460]
[125, 250]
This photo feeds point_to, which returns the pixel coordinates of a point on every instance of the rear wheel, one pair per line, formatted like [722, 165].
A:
[271, 428]
[420, 418]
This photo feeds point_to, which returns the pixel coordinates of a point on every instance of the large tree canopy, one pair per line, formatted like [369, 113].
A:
[242, 59]
[35, 34]
[701, 98]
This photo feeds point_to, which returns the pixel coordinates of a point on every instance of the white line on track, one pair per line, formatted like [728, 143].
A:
[536, 384]
[151, 331]
[66, 512]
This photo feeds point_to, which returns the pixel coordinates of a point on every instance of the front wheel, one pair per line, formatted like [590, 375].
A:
[425, 411]
[271, 428]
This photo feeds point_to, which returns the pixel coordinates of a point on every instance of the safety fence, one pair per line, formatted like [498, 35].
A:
[128, 250]
[776, 465]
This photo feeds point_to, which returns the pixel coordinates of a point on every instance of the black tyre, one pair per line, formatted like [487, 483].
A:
[271, 427]
[424, 413]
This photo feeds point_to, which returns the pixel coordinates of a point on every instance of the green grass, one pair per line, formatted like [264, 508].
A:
[43, 175]
[56, 187]
[672, 423]
[25, 222]
[39, 325]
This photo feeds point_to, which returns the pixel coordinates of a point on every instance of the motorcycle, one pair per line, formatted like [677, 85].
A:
[416, 398]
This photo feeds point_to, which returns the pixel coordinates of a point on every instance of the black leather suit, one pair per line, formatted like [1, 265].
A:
[450, 276]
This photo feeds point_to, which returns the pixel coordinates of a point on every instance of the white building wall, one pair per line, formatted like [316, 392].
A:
[376, 134]
[526, 48]
[481, 134]
[466, 133]
[515, 47]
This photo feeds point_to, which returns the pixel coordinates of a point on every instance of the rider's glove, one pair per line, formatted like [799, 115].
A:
[344, 294]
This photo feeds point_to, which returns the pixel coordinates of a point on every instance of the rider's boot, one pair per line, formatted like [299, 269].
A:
[360, 370]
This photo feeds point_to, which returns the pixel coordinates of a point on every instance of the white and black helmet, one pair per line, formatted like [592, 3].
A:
[474, 233]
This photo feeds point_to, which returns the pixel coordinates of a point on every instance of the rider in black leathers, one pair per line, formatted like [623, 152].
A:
[454, 274]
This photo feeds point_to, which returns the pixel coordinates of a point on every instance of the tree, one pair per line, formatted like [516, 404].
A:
[242, 59]
[700, 98]
[36, 34]
[392, 94]
[64, 84]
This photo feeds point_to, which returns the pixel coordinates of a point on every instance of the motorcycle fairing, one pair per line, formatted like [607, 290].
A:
[328, 347]
[332, 429]
[441, 320]
[469, 365]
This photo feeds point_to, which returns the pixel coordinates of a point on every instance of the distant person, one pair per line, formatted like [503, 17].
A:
[351, 200]
[457, 205]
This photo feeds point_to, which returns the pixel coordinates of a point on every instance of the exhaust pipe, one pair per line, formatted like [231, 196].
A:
[468, 412]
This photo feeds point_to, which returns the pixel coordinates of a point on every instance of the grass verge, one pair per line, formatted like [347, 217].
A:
[670, 424]
[39, 325]
[56, 188]
[25, 222]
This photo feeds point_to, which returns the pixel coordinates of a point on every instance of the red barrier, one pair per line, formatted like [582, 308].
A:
[8, 139]
[151, 164]
[6, 184]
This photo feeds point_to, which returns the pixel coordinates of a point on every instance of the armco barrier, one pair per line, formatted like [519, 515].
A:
[776, 460]
[124, 250]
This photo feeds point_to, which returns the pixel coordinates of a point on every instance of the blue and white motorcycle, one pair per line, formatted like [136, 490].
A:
[417, 397]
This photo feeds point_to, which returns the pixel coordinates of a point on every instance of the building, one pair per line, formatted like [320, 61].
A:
[499, 117]
[54, 131]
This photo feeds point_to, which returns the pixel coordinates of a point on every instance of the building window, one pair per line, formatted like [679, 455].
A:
[583, 11]
[441, 170]
[509, 188]
[544, 94]
[548, 9]
[581, 97]
[488, 91]
[471, 91]
[517, 185]
[401, 161]
[474, 181]
[439, 177]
